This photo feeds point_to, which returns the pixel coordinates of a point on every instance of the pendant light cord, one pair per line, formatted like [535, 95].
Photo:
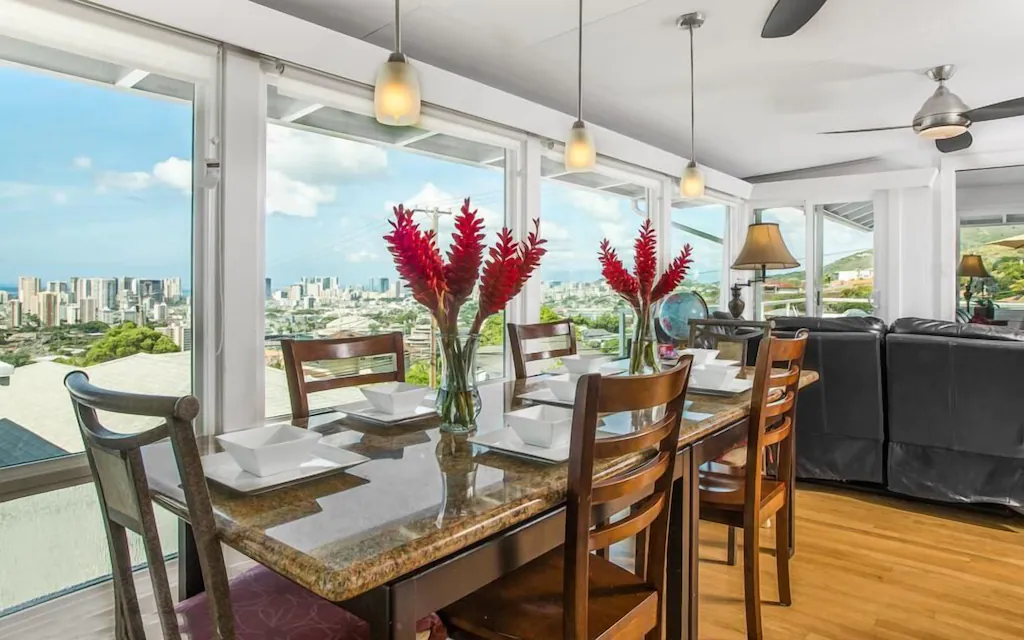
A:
[579, 68]
[398, 26]
[693, 108]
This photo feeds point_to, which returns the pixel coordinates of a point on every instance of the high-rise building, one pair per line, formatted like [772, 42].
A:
[268, 292]
[160, 312]
[385, 285]
[106, 316]
[4, 296]
[87, 311]
[374, 284]
[179, 335]
[151, 289]
[56, 286]
[130, 285]
[73, 288]
[49, 308]
[71, 314]
[14, 314]
[296, 292]
[172, 289]
[28, 293]
[396, 289]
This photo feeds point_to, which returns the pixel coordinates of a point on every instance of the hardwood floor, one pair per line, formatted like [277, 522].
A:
[866, 568]
[876, 567]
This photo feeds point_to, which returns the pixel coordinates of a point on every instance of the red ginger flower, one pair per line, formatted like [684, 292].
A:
[619, 279]
[418, 261]
[645, 262]
[506, 271]
[673, 275]
[464, 258]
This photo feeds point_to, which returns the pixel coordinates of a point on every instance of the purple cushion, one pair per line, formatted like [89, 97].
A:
[269, 607]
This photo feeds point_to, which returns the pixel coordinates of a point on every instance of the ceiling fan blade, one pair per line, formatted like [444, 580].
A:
[959, 143]
[828, 133]
[789, 16]
[998, 111]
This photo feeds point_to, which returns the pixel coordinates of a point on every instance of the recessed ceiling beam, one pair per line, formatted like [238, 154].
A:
[301, 113]
[132, 78]
[495, 160]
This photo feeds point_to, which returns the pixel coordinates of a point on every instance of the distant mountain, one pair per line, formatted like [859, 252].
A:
[860, 260]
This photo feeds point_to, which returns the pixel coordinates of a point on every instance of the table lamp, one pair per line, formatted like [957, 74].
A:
[971, 267]
[763, 249]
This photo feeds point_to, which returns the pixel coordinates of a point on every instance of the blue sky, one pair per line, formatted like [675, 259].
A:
[96, 182]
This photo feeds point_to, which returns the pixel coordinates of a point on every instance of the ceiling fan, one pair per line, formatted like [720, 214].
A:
[789, 16]
[945, 118]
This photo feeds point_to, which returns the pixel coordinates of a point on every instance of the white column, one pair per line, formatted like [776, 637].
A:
[740, 217]
[526, 308]
[947, 241]
[240, 361]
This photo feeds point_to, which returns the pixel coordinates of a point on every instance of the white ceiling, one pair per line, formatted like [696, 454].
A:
[760, 103]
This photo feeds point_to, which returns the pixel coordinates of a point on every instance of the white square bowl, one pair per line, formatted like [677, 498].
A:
[563, 386]
[585, 362]
[710, 376]
[701, 356]
[395, 397]
[541, 425]
[269, 450]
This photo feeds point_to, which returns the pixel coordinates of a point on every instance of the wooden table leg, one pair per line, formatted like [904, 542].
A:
[190, 574]
[681, 593]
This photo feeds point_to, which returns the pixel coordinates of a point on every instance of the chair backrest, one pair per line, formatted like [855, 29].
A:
[298, 352]
[773, 398]
[519, 333]
[657, 403]
[126, 503]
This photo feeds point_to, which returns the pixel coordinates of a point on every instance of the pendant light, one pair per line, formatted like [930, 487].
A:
[580, 154]
[691, 185]
[396, 94]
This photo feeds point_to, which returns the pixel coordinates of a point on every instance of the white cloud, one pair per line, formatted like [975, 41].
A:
[288, 196]
[13, 190]
[60, 198]
[123, 181]
[174, 172]
[82, 162]
[603, 207]
[362, 256]
[320, 159]
[552, 231]
[619, 234]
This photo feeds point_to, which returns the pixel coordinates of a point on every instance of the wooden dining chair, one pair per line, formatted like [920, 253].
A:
[256, 605]
[518, 334]
[571, 592]
[741, 496]
[297, 353]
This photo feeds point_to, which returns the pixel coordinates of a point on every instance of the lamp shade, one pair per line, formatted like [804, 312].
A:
[691, 184]
[580, 154]
[764, 248]
[396, 94]
[971, 266]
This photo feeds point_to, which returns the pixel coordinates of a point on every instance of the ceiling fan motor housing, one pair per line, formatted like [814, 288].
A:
[943, 115]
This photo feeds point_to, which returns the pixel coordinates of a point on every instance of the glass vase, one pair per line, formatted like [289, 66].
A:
[458, 399]
[643, 349]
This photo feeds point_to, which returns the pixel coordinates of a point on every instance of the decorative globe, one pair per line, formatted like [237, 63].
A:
[677, 309]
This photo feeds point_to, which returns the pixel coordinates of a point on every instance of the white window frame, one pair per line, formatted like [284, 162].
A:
[103, 36]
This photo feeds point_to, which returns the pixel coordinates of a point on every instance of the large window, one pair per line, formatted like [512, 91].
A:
[785, 291]
[578, 211]
[333, 177]
[95, 274]
[847, 259]
[703, 227]
[1005, 265]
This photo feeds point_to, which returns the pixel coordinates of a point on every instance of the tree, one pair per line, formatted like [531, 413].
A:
[492, 331]
[94, 326]
[126, 340]
[547, 314]
[418, 373]
[18, 358]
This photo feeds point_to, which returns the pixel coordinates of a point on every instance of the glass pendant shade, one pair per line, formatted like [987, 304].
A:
[943, 132]
[396, 94]
[691, 185]
[580, 154]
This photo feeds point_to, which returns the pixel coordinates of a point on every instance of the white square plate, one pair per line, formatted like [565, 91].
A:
[222, 469]
[363, 409]
[508, 441]
[545, 395]
[734, 386]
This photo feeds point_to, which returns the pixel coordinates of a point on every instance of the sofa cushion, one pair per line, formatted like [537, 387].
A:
[924, 327]
[847, 324]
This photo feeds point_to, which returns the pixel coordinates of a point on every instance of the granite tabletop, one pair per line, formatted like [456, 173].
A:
[422, 496]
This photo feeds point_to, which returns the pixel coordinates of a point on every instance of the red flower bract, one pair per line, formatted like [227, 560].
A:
[614, 272]
[506, 271]
[641, 290]
[464, 258]
[418, 261]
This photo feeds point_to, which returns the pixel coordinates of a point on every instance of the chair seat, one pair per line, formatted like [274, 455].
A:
[527, 603]
[727, 491]
[270, 607]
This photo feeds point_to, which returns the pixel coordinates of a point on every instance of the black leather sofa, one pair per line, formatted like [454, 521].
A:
[841, 418]
[955, 411]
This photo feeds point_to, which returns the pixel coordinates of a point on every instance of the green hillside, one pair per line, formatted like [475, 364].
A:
[861, 260]
[1006, 265]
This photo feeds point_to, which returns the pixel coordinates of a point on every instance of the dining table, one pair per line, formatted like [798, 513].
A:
[431, 517]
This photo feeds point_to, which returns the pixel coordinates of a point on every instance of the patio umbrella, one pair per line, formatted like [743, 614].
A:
[1016, 242]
